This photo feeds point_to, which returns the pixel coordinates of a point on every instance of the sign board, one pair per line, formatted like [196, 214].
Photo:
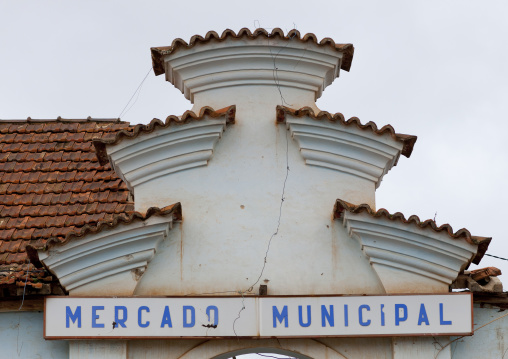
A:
[261, 317]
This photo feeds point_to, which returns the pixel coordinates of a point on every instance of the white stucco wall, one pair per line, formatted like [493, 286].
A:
[490, 341]
[21, 336]
[232, 207]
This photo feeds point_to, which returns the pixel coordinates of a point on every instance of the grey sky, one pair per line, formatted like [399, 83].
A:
[433, 69]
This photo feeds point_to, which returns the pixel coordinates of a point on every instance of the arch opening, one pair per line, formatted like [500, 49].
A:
[277, 348]
[261, 353]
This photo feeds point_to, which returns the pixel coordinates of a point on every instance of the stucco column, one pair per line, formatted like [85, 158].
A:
[421, 348]
[95, 349]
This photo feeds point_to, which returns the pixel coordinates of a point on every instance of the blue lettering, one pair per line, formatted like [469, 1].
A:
[422, 317]
[215, 315]
[360, 315]
[73, 316]
[140, 323]
[120, 322]
[346, 321]
[325, 315]
[166, 318]
[382, 316]
[441, 320]
[186, 323]
[300, 316]
[280, 316]
[95, 316]
[398, 318]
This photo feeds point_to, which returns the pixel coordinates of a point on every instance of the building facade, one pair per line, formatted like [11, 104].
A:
[253, 194]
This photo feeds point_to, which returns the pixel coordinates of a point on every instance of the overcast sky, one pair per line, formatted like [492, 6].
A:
[435, 69]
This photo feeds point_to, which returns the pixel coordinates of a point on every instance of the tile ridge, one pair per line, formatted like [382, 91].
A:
[159, 52]
[188, 116]
[482, 242]
[119, 219]
[407, 140]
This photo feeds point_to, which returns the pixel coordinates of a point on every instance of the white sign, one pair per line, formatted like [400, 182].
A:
[267, 316]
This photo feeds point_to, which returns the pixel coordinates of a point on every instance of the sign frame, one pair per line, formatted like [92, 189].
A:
[261, 337]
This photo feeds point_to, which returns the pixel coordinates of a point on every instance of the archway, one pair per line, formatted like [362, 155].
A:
[296, 348]
[262, 352]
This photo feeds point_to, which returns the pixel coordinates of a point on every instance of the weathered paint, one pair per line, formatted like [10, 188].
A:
[90, 349]
[21, 336]
[231, 206]
[490, 341]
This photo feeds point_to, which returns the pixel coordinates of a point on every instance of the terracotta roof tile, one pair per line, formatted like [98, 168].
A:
[11, 211]
[109, 221]
[100, 196]
[26, 199]
[37, 157]
[6, 234]
[80, 197]
[35, 127]
[158, 53]
[481, 242]
[407, 140]
[189, 116]
[44, 166]
[23, 233]
[4, 188]
[12, 177]
[3, 222]
[7, 167]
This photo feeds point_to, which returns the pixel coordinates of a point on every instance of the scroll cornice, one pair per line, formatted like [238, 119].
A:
[331, 142]
[108, 249]
[158, 149]
[410, 245]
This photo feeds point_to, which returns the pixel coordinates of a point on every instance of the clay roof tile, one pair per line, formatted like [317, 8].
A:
[43, 167]
[481, 242]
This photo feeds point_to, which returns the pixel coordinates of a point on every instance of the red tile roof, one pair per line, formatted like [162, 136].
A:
[175, 210]
[158, 53]
[481, 242]
[407, 140]
[51, 185]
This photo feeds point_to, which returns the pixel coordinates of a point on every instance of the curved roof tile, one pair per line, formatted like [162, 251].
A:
[51, 185]
[408, 140]
[120, 219]
[481, 242]
[159, 52]
[133, 132]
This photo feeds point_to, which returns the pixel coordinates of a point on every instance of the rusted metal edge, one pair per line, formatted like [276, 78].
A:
[158, 53]
[408, 141]
[174, 210]
[188, 116]
[481, 242]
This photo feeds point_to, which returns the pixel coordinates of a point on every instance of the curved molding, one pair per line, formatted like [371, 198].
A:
[343, 148]
[252, 61]
[396, 246]
[125, 248]
[159, 52]
[166, 150]
[300, 348]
